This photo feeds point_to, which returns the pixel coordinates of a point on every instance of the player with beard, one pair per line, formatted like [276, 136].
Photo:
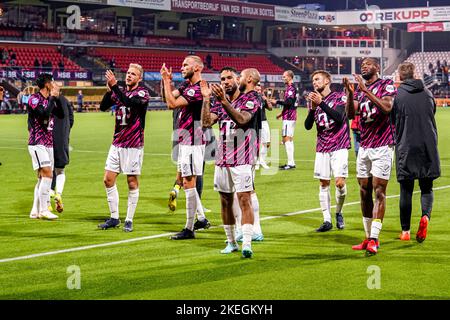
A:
[238, 146]
[333, 141]
[373, 101]
[190, 134]
[126, 153]
[230, 83]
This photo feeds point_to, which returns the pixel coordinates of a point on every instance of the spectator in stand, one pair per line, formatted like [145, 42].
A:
[49, 65]
[431, 68]
[296, 61]
[5, 56]
[80, 101]
[445, 74]
[112, 64]
[37, 64]
[13, 55]
[208, 61]
[61, 65]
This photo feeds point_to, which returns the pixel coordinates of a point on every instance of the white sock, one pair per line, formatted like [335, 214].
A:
[247, 232]
[256, 223]
[325, 203]
[230, 233]
[290, 152]
[60, 181]
[112, 196]
[133, 197]
[376, 228]
[367, 222]
[35, 207]
[263, 153]
[340, 198]
[191, 208]
[44, 193]
[200, 213]
[237, 212]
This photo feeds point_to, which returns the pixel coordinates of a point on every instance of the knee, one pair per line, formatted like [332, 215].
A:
[340, 184]
[380, 193]
[133, 185]
[59, 171]
[108, 182]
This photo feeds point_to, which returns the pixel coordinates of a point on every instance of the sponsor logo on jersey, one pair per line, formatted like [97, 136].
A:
[191, 92]
[390, 88]
[141, 93]
[250, 105]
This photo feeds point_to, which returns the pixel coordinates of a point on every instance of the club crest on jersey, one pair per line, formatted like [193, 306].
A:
[191, 92]
[35, 100]
[390, 88]
[344, 98]
[249, 105]
[290, 92]
[141, 93]
[375, 90]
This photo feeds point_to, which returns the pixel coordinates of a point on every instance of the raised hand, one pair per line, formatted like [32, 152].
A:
[361, 84]
[206, 91]
[111, 80]
[349, 87]
[315, 98]
[218, 91]
[166, 73]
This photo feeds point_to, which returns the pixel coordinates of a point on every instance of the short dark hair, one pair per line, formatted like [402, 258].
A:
[406, 71]
[373, 60]
[43, 79]
[231, 69]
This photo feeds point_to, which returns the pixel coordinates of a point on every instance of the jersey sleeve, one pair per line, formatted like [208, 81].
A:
[388, 89]
[192, 94]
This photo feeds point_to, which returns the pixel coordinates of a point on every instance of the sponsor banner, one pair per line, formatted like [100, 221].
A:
[225, 8]
[386, 16]
[429, 27]
[147, 4]
[57, 75]
[213, 77]
[296, 15]
[82, 1]
[327, 18]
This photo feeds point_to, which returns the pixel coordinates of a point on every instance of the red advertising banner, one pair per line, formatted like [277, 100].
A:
[427, 27]
[225, 8]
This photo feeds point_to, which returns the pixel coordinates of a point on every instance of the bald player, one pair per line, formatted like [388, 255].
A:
[373, 101]
[188, 98]
[238, 149]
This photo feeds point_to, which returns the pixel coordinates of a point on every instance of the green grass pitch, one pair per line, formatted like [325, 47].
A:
[293, 262]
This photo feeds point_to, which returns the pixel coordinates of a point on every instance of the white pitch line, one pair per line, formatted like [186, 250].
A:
[108, 244]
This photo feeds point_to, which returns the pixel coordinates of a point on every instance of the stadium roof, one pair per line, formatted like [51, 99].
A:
[358, 4]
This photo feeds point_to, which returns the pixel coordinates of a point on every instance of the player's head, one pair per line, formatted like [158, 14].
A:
[191, 65]
[248, 79]
[229, 80]
[45, 81]
[406, 71]
[134, 74]
[320, 80]
[369, 68]
[288, 76]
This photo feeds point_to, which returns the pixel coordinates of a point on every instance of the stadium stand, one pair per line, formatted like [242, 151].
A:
[26, 55]
[152, 60]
